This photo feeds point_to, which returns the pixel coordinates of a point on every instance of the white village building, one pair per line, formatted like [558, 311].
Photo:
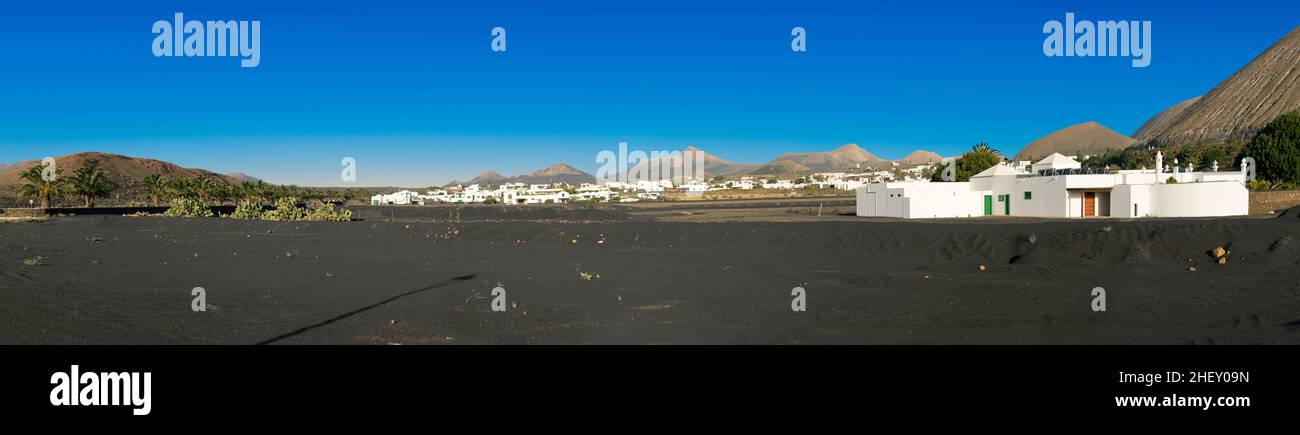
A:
[1058, 187]
[535, 194]
[401, 197]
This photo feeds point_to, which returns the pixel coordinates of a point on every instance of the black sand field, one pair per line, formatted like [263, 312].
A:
[683, 275]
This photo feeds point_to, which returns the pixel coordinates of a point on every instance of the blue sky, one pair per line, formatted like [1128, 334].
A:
[414, 93]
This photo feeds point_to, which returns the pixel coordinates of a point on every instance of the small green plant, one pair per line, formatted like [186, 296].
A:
[34, 261]
[328, 212]
[248, 209]
[1261, 185]
[188, 207]
[286, 209]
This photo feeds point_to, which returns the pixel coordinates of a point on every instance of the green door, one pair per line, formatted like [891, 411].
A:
[1008, 204]
[988, 205]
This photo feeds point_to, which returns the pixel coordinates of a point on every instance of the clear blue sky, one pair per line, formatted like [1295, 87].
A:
[414, 93]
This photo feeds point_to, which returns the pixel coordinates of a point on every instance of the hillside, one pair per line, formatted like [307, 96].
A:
[712, 166]
[849, 156]
[780, 167]
[122, 171]
[1162, 120]
[1089, 138]
[1238, 107]
[557, 173]
[920, 157]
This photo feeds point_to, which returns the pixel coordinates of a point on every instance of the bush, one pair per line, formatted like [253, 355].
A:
[1270, 185]
[286, 209]
[1276, 149]
[248, 209]
[188, 207]
[327, 212]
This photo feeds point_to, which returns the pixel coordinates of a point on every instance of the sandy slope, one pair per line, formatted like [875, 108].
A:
[128, 280]
[1242, 104]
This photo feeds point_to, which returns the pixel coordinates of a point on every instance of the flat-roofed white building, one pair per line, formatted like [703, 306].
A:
[1060, 188]
[401, 197]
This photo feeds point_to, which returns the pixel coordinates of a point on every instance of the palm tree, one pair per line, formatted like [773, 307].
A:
[242, 191]
[222, 193]
[180, 188]
[983, 147]
[89, 183]
[205, 187]
[262, 191]
[37, 186]
[156, 184]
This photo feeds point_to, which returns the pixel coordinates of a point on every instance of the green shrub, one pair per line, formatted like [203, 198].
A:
[248, 209]
[327, 212]
[1276, 149]
[980, 157]
[188, 207]
[286, 209]
[1270, 185]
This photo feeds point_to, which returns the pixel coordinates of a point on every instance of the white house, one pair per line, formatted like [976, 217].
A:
[535, 195]
[1059, 187]
[401, 197]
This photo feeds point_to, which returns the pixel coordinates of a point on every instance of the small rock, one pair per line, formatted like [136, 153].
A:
[982, 268]
[1191, 268]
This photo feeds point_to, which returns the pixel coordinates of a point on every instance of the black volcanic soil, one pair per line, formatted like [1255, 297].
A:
[420, 277]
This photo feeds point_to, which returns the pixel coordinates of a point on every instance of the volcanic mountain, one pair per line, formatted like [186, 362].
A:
[1162, 120]
[122, 171]
[849, 156]
[1087, 138]
[1238, 107]
[557, 173]
[780, 167]
[712, 165]
[920, 157]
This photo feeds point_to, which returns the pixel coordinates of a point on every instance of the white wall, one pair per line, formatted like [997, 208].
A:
[913, 200]
[1048, 197]
[1200, 199]
[1228, 198]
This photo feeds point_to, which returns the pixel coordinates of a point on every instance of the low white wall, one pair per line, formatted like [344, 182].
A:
[918, 200]
[1199, 199]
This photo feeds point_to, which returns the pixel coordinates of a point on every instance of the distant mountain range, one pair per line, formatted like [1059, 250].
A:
[557, 173]
[844, 158]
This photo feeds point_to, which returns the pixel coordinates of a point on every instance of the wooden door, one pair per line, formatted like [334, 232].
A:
[1089, 204]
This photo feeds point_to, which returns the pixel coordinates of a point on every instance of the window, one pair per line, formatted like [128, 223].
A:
[1029, 195]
